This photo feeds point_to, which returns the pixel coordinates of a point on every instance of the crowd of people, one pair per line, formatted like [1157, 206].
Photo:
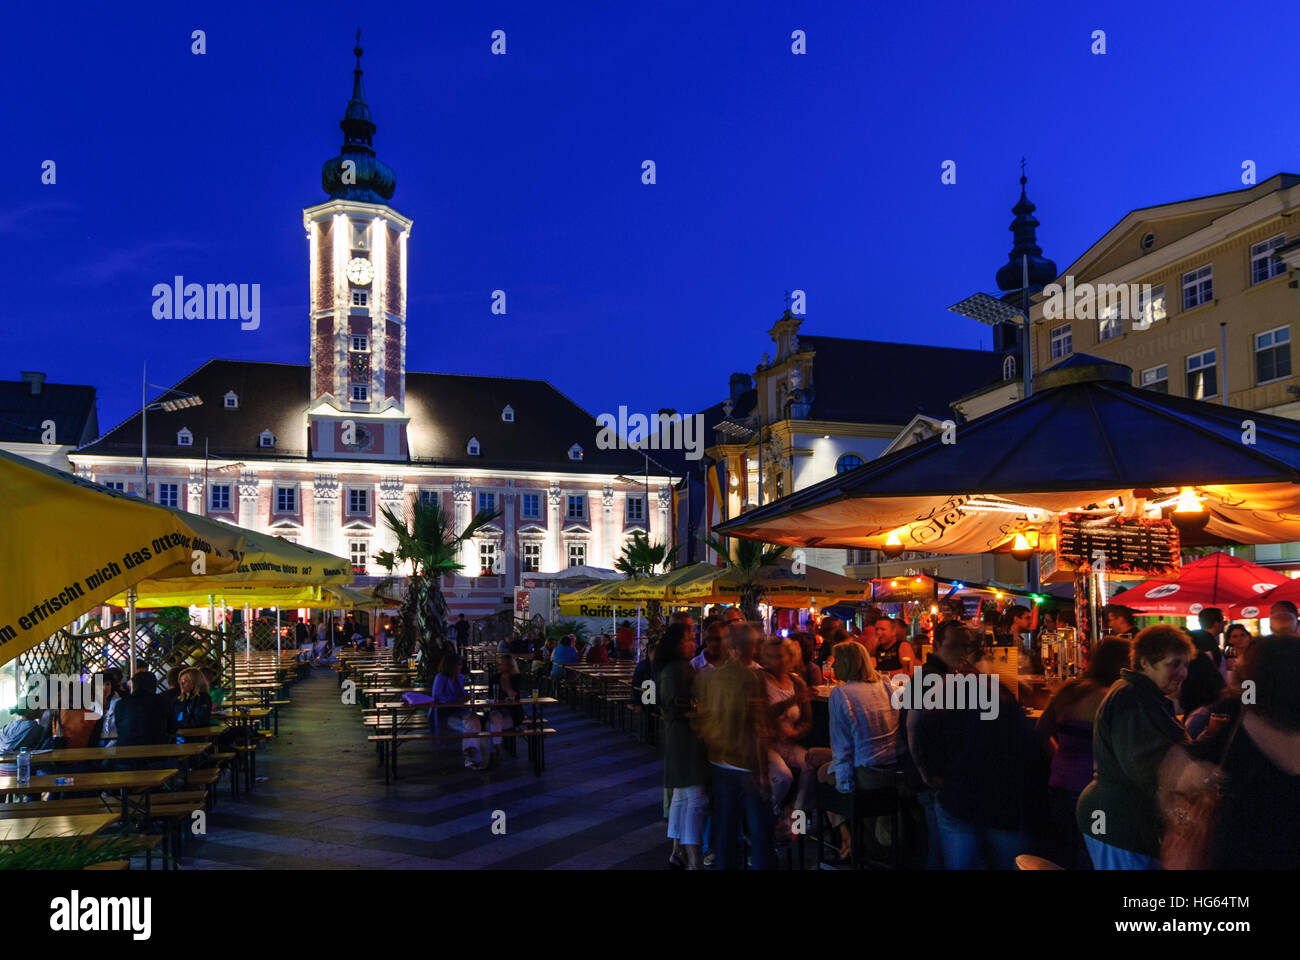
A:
[1116, 774]
[131, 712]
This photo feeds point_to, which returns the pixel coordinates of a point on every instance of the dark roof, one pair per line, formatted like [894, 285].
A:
[446, 410]
[871, 381]
[1085, 428]
[70, 406]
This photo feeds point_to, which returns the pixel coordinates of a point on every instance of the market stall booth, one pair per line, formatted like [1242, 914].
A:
[1100, 480]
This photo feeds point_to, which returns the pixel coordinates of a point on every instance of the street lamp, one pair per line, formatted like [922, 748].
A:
[180, 401]
[628, 480]
[992, 311]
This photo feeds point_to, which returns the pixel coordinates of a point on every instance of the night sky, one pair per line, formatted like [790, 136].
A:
[523, 172]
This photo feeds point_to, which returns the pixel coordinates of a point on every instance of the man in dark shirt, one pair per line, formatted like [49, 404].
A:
[1119, 621]
[144, 718]
[460, 630]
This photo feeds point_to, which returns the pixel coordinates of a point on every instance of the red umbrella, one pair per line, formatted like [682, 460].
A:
[1219, 580]
[1258, 608]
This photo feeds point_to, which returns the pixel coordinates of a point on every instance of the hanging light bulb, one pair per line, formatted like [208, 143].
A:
[1189, 513]
[1021, 549]
[893, 545]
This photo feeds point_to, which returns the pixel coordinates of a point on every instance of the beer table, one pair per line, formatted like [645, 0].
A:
[122, 781]
[181, 751]
[200, 733]
[245, 721]
[51, 828]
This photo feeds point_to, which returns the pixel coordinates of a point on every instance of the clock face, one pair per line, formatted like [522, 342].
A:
[360, 271]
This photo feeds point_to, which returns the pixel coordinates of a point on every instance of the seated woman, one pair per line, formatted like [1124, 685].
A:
[864, 729]
[450, 701]
[508, 682]
[598, 655]
[194, 701]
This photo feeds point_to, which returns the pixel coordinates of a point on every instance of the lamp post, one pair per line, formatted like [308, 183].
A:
[180, 401]
[992, 311]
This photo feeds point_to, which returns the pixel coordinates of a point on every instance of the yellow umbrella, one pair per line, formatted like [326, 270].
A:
[348, 598]
[161, 593]
[70, 544]
[779, 585]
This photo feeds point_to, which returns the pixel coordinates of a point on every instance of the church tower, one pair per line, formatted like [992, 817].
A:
[357, 254]
[1025, 252]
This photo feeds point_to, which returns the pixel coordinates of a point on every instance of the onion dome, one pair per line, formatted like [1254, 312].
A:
[1041, 270]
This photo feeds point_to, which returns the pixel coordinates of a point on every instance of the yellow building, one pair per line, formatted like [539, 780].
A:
[1192, 295]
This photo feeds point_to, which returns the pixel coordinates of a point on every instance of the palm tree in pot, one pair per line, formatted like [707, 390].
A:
[642, 557]
[746, 563]
[428, 548]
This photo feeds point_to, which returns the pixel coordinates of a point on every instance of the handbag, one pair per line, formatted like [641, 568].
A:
[1190, 818]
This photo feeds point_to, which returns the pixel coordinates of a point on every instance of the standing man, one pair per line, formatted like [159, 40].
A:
[460, 630]
[1206, 639]
[1282, 618]
[625, 640]
[893, 653]
[1119, 621]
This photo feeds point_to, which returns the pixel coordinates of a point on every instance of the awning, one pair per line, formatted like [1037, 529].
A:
[1086, 436]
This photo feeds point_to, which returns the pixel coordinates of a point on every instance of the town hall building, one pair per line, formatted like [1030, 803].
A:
[312, 452]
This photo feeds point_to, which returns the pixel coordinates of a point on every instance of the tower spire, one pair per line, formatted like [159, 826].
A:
[1025, 244]
[356, 174]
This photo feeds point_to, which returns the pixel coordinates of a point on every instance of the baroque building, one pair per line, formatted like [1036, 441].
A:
[314, 452]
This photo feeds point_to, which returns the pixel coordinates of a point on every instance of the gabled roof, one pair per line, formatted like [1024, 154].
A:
[874, 381]
[70, 406]
[1209, 209]
[445, 410]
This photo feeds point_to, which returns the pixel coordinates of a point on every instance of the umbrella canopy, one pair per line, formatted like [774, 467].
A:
[1084, 437]
[232, 595]
[1257, 608]
[349, 599]
[1219, 580]
[267, 562]
[700, 583]
[70, 544]
[779, 584]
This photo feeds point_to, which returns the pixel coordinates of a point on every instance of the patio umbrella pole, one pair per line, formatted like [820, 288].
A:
[248, 633]
[277, 633]
[130, 627]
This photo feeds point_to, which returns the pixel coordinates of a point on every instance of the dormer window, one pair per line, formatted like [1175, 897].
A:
[184, 438]
[472, 447]
[508, 414]
[230, 401]
[266, 439]
[575, 452]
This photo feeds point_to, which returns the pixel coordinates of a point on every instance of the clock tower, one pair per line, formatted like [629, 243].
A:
[357, 290]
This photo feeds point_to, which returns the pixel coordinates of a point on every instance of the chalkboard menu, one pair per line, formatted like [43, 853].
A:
[903, 590]
[1135, 547]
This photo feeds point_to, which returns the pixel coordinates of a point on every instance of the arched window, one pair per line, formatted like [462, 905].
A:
[850, 461]
[1009, 367]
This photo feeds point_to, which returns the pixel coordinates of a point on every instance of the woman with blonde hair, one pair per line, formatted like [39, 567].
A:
[864, 728]
[194, 699]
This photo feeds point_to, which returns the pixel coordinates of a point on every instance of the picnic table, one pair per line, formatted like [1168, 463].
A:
[135, 787]
[184, 751]
[534, 731]
[47, 828]
[245, 721]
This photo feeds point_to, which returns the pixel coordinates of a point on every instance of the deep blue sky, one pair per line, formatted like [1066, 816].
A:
[522, 172]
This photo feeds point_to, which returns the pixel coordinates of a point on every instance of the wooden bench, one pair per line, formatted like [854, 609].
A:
[389, 742]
